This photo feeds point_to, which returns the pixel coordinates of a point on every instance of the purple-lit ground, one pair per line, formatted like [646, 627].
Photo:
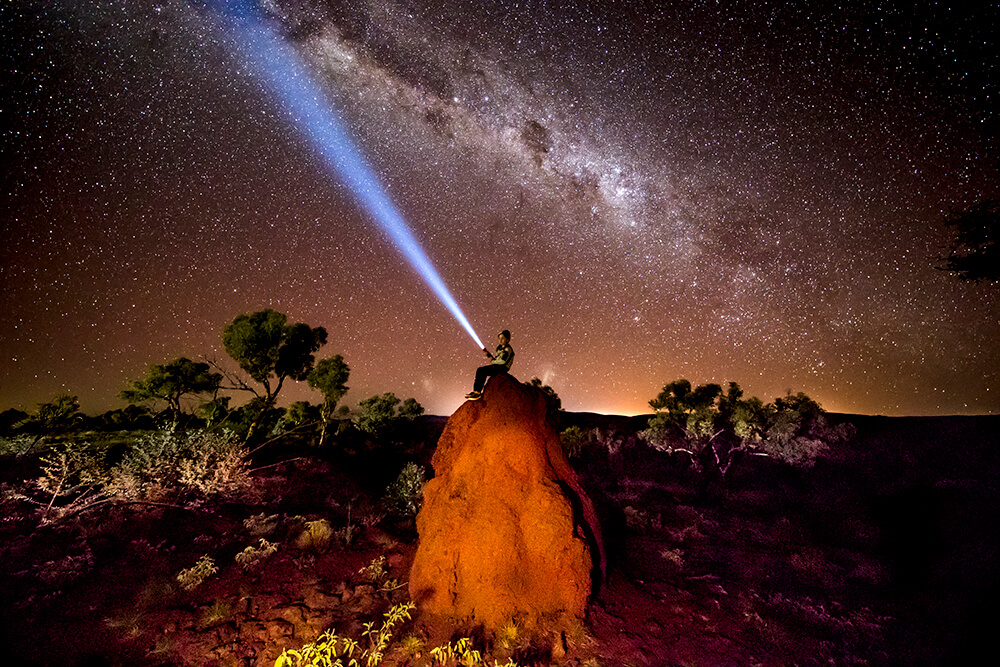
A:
[749, 193]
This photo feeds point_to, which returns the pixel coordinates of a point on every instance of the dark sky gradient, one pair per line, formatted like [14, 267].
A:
[716, 191]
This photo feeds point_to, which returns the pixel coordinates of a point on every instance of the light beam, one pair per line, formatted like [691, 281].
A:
[290, 80]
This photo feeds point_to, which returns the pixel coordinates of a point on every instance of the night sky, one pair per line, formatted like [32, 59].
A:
[716, 191]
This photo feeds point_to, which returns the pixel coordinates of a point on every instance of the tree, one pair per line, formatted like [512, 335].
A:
[57, 413]
[270, 350]
[214, 411]
[410, 409]
[711, 426]
[691, 412]
[330, 377]
[975, 254]
[378, 414]
[798, 431]
[170, 382]
[553, 404]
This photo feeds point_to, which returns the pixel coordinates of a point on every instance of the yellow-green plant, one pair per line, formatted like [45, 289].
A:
[315, 536]
[413, 646]
[194, 576]
[379, 639]
[375, 570]
[509, 635]
[376, 573]
[219, 612]
[331, 650]
[252, 556]
[328, 650]
[461, 653]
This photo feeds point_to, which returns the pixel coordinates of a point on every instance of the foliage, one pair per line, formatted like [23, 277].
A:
[71, 472]
[461, 653]
[793, 429]
[410, 409]
[509, 636]
[57, 413]
[16, 445]
[331, 650]
[261, 524]
[330, 377]
[376, 573]
[975, 254]
[378, 414]
[193, 577]
[404, 496]
[170, 382]
[686, 413]
[158, 462]
[270, 351]
[798, 431]
[132, 417]
[252, 556]
[553, 404]
[299, 413]
[55, 416]
[575, 440]
[315, 536]
[214, 411]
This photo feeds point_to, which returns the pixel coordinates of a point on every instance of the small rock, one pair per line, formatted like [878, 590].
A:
[278, 628]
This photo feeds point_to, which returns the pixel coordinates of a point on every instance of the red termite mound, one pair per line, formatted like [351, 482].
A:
[506, 531]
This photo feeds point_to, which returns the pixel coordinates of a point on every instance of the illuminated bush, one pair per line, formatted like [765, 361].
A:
[252, 556]
[158, 463]
[315, 536]
[193, 577]
[331, 650]
[404, 496]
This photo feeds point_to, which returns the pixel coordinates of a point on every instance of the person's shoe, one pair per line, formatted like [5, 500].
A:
[474, 395]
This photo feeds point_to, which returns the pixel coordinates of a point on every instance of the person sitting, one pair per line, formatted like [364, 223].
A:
[500, 363]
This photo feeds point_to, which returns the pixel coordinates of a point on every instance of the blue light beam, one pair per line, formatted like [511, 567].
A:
[289, 79]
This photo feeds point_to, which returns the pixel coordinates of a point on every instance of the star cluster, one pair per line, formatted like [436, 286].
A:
[638, 191]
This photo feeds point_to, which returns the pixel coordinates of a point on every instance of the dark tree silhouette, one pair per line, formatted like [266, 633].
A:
[975, 254]
[270, 350]
[330, 377]
[169, 382]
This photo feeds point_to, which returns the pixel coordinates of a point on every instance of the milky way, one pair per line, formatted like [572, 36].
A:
[732, 191]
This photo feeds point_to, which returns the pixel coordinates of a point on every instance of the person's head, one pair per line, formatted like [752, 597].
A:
[504, 337]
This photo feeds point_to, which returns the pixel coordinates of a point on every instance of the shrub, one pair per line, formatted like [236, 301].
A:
[315, 536]
[252, 556]
[193, 577]
[159, 462]
[405, 496]
[331, 650]
[378, 415]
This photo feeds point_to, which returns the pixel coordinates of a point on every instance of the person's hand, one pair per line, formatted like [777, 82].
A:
[488, 354]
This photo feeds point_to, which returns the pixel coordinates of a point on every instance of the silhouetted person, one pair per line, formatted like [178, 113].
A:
[500, 363]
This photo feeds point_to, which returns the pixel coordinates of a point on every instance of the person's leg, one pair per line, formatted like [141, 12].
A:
[485, 372]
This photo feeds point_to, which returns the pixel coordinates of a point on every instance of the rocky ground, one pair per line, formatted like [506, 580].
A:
[884, 553]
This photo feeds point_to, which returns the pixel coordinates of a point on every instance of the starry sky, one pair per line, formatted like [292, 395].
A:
[745, 191]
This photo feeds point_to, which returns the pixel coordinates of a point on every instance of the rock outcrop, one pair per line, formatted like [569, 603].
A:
[505, 530]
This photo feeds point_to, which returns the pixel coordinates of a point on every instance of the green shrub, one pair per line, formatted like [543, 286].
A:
[193, 577]
[252, 556]
[161, 462]
[405, 496]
